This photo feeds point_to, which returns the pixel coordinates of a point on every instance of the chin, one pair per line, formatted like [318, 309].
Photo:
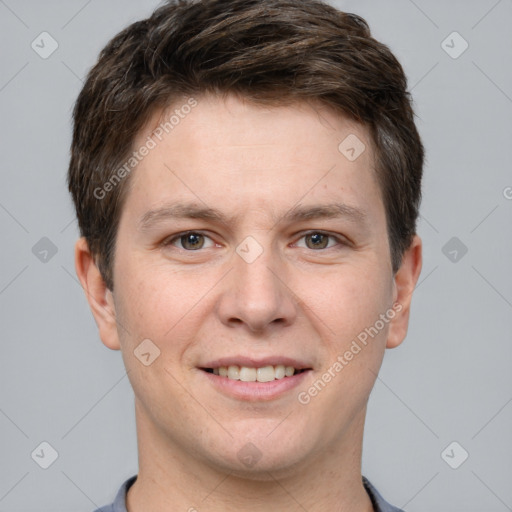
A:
[265, 456]
[266, 469]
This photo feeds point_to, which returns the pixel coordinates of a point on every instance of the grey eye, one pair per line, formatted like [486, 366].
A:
[192, 241]
[317, 241]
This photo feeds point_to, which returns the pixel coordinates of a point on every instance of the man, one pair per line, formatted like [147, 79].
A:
[246, 175]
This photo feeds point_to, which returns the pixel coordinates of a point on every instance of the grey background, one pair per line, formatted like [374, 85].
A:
[450, 380]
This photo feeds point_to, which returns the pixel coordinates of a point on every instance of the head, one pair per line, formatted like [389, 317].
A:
[246, 124]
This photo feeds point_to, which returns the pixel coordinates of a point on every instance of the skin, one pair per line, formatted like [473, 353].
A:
[254, 164]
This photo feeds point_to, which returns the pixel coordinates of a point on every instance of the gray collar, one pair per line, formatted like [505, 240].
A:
[379, 504]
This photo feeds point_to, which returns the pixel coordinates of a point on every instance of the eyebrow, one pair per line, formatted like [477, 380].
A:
[326, 211]
[180, 211]
[296, 214]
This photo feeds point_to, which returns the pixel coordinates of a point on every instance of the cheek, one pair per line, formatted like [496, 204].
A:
[153, 300]
[348, 315]
[348, 300]
[166, 307]
[156, 316]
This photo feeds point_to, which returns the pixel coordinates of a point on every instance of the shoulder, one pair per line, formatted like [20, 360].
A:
[119, 504]
[379, 503]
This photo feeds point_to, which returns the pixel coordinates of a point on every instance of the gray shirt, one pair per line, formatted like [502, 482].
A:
[119, 504]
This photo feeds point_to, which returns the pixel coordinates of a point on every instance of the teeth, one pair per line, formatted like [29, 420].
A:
[246, 374]
[280, 371]
[234, 373]
[265, 374]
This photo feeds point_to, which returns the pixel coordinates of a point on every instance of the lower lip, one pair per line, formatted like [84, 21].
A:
[255, 391]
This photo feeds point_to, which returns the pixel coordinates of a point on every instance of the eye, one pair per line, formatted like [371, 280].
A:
[317, 240]
[191, 241]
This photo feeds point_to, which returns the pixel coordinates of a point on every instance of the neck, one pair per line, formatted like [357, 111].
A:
[170, 479]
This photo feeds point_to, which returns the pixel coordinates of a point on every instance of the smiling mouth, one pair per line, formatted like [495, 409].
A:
[262, 374]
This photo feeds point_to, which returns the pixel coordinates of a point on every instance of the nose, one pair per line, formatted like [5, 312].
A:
[256, 295]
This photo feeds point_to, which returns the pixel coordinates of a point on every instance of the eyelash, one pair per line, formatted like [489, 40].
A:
[177, 237]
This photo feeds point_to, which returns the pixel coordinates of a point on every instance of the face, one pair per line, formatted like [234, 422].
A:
[250, 244]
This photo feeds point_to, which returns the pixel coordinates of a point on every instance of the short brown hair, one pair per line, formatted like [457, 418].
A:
[268, 51]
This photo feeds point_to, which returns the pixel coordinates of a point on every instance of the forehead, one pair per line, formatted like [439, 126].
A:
[220, 149]
[236, 122]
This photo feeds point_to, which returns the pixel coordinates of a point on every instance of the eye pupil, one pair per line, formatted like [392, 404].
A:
[192, 241]
[318, 240]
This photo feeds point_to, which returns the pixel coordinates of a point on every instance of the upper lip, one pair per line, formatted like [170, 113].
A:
[250, 362]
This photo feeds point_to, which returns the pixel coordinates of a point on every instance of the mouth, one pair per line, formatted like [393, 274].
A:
[266, 373]
[255, 380]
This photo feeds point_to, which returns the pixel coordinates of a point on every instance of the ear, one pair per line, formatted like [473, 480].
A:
[405, 281]
[100, 298]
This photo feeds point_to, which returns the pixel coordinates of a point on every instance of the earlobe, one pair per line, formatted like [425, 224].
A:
[405, 282]
[98, 296]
